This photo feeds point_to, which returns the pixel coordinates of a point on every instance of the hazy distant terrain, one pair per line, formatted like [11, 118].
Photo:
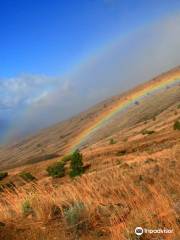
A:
[58, 138]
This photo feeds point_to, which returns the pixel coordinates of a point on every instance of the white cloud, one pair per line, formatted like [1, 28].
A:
[25, 89]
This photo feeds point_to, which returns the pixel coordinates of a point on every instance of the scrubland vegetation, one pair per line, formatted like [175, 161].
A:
[112, 141]
[177, 125]
[108, 204]
[148, 132]
[27, 176]
[56, 170]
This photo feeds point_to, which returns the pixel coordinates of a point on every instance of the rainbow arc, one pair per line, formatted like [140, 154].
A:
[124, 103]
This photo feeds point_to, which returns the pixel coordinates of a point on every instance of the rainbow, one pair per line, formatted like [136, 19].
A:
[124, 103]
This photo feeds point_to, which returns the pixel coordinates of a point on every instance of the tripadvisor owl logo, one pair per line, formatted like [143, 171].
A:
[138, 231]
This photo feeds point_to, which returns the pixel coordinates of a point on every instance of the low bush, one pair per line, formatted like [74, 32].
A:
[56, 170]
[148, 132]
[3, 175]
[26, 208]
[9, 185]
[27, 176]
[112, 141]
[176, 125]
[76, 217]
[121, 152]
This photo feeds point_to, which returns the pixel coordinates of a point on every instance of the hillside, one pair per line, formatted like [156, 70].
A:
[58, 139]
[131, 174]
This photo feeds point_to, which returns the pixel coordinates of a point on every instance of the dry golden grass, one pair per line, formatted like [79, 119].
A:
[134, 182]
[111, 203]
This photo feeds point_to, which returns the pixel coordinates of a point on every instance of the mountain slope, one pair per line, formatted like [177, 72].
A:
[131, 175]
[58, 139]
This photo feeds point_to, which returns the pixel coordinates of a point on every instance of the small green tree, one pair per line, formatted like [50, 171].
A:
[76, 164]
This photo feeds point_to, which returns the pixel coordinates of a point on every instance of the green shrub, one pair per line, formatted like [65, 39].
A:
[176, 125]
[56, 170]
[10, 185]
[27, 176]
[3, 175]
[112, 141]
[76, 164]
[144, 132]
[121, 152]
[26, 208]
[178, 106]
[76, 217]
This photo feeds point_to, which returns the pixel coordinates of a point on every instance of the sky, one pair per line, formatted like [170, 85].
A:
[58, 58]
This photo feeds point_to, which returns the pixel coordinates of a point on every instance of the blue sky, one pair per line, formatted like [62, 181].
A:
[44, 46]
[50, 37]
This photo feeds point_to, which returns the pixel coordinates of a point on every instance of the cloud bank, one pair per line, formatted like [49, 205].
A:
[117, 67]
